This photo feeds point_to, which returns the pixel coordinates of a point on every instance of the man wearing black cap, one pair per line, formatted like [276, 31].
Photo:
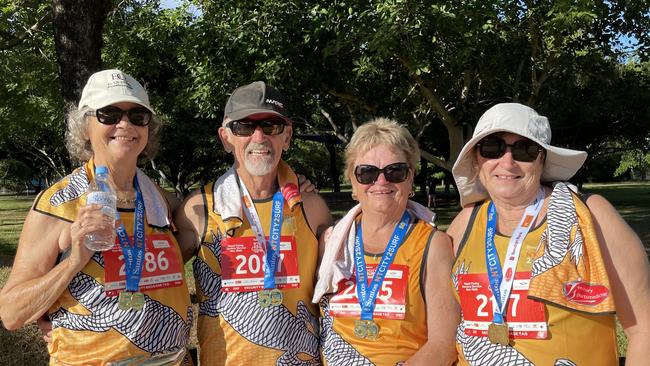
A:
[257, 240]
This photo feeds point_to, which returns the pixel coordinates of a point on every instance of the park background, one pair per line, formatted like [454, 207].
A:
[435, 66]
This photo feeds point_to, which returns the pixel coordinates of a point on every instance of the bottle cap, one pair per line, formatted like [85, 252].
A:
[101, 170]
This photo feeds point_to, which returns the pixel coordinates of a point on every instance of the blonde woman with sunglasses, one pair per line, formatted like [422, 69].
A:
[383, 281]
[540, 269]
[104, 309]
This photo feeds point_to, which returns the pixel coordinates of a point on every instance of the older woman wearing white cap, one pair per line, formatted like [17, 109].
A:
[541, 270]
[104, 309]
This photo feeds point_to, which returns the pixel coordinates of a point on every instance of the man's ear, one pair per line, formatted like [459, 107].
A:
[288, 132]
[224, 136]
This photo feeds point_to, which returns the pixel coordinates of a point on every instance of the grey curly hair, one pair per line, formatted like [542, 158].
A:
[78, 143]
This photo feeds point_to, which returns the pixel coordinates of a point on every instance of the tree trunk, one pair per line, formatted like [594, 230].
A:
[78, 26]
[334, 172]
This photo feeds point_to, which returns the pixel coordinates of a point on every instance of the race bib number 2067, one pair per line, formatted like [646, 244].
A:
[242, 264]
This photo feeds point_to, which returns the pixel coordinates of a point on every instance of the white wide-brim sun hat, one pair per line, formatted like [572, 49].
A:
[560, 165]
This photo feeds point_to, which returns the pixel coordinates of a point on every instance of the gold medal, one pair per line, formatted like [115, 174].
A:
[498, 334]
[275, 297]
[264, 298]
[372, 330]
[137, 301]
[360, 329]
[124, 300]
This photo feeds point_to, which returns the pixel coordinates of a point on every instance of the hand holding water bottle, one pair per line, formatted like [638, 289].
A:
[101, 194]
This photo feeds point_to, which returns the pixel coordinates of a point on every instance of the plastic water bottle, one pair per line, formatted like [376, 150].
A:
[101, 192]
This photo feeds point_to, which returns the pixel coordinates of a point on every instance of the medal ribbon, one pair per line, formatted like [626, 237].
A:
[368, 294]
[133, 253]
[498, 284]
[272, 247]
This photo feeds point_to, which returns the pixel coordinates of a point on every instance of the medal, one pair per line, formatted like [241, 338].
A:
[264, 298]
[137, 301]
[498, 334]
[360, 329]
[372, 330]
[501, 281]
[124, 300]
[366, 328]
[270, 295]
[134, 254]
[130, 300]
[275, 296]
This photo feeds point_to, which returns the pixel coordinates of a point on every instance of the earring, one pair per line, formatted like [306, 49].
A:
[411, 194]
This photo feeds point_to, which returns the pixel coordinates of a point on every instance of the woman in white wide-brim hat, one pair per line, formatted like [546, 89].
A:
[561, 264]
[96, 319]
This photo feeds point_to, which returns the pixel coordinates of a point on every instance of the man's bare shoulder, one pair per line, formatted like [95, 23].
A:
[195, 198]
[191, 211]
[317, 212]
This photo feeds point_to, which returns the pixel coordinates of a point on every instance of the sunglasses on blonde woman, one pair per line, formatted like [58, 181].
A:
[394, 173]
[522, 150]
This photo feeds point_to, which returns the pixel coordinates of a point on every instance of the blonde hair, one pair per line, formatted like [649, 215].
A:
[381, 131]
[78, 143]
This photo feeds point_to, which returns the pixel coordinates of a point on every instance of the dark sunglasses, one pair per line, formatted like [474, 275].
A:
[522, 150]
[394, 173]
[111, 115]
[248, 127]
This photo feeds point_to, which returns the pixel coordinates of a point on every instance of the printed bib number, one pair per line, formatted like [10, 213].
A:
[161, 268]
[242, 264]
[391, 299]
[525, 317]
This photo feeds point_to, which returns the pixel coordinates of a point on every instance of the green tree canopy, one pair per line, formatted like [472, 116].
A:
[433, 65]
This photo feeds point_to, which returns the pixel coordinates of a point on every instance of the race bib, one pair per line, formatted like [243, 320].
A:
[525, 317]
[391, 299]
[161, 268]
[242, 264]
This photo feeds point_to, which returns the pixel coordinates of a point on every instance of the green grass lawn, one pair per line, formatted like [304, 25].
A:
[24, 347]
[632, 201]
[12, 214]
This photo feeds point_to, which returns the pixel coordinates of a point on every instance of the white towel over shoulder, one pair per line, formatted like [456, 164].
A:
[227, 195]
[155, 205]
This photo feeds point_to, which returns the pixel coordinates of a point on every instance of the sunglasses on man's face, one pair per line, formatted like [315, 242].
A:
[394, 173]
[522, 150]
[111, 115]
[246, 128]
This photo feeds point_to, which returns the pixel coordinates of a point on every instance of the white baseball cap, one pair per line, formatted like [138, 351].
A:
[112, 86]
[560, 165]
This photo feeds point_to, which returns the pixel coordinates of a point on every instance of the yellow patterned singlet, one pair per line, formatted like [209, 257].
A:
[571, 338]
[233, 329]
[87, 326]
[398, 339]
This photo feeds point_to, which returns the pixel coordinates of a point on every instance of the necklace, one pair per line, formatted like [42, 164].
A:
[126, 201]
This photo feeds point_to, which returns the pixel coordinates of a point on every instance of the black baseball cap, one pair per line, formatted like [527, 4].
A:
[256, 98]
